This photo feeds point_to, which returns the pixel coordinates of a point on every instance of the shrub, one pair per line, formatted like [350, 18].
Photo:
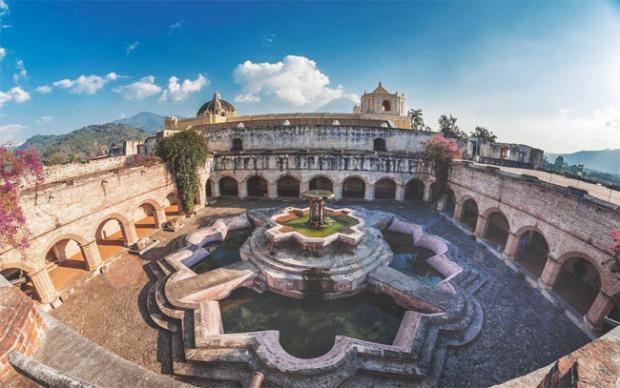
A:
[183, 153]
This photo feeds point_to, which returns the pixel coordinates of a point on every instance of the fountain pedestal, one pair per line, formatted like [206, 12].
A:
[316, 200]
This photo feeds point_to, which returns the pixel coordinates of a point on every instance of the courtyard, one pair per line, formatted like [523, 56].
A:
[522, 331]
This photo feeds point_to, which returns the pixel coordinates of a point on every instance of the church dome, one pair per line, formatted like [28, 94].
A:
[217, 106]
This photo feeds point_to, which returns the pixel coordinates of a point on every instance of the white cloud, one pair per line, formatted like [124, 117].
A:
[295, 80]
[86, 84]
[15, 94]
[9, 130]
[44, 119]
[2, 53]
[176, 26]
[44, 89]
[138, 90]
[179, 92]
[132, 46]
[4, 7]
[21, 71]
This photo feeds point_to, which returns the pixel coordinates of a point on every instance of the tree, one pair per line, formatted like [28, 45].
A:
[558, 165]
[184, 153]
[484, 134]
[448, 127]
[15, 168]
[439, 151]
[415, 117]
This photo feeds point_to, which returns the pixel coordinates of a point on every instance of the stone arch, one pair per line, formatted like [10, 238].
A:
[414, 190]
[111, 236]
[237, 144]
[470, 213]
[257, 186]
[579, 281]
[228, 186]
[146, 218]
[67, 259]
[385, 188]
[379, 145]
[288, 186]
[497, 228]
[532, 249]
[321, 182]
[353, 188]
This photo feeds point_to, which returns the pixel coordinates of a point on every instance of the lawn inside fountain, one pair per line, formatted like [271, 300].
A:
[308, 327]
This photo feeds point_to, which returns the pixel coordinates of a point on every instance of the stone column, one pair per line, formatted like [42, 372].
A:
[215, 189]
[427, 192]
[550, 273]
[272, 190]
[303, 187]
[161, 217]
[512, 243]
[337, 191]
[43, 285]
[458, 211]
[602, 306]
[400, 192]
[131, 234]
[441, 204]
[202, 195]
[91, 255]
[370, 193]
[243, 189]
[481, 226]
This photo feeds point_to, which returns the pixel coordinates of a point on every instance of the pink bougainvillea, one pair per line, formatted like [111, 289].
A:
[439, 148]
[14, 168]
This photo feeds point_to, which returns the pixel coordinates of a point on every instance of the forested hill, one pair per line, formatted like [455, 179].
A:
[601, 160]
[83, 143]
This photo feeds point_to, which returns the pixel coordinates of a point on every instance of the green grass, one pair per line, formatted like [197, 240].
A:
[340, 224]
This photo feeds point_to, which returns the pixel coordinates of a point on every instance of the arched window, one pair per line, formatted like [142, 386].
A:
[379, 145]
[257, 187]
[228, 187]
[532, 252]
[288, 187]
[237, 145]
[66, 262]
[414, 191]
[353, 188]
[578, 283]
[321, 183]
[497, 230]
[385, 189]
[387, 106]
[110, 238]
[470, 214]
[146, 214]
[504, 152]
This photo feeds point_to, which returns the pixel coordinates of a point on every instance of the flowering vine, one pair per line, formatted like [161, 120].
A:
[439, 151]
[15, 167]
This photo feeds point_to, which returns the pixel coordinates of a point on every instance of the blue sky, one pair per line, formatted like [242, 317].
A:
[540, 73]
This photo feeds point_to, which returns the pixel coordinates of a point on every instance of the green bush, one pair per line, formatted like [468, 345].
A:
[183, 153]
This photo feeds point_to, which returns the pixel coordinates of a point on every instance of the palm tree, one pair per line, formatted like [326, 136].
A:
[415, 117]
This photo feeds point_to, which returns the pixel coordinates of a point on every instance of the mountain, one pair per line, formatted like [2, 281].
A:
[83, 143]
[601, 160]
[147, 121]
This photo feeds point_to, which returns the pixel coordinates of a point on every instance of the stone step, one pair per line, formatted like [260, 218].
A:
[156, 315]
[163, 304]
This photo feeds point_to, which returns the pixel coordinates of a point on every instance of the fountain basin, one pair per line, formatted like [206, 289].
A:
[293, 223]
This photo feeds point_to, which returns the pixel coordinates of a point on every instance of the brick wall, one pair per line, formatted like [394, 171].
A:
[21, 328]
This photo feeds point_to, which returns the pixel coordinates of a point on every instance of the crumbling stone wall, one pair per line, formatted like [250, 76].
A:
[572, 223]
